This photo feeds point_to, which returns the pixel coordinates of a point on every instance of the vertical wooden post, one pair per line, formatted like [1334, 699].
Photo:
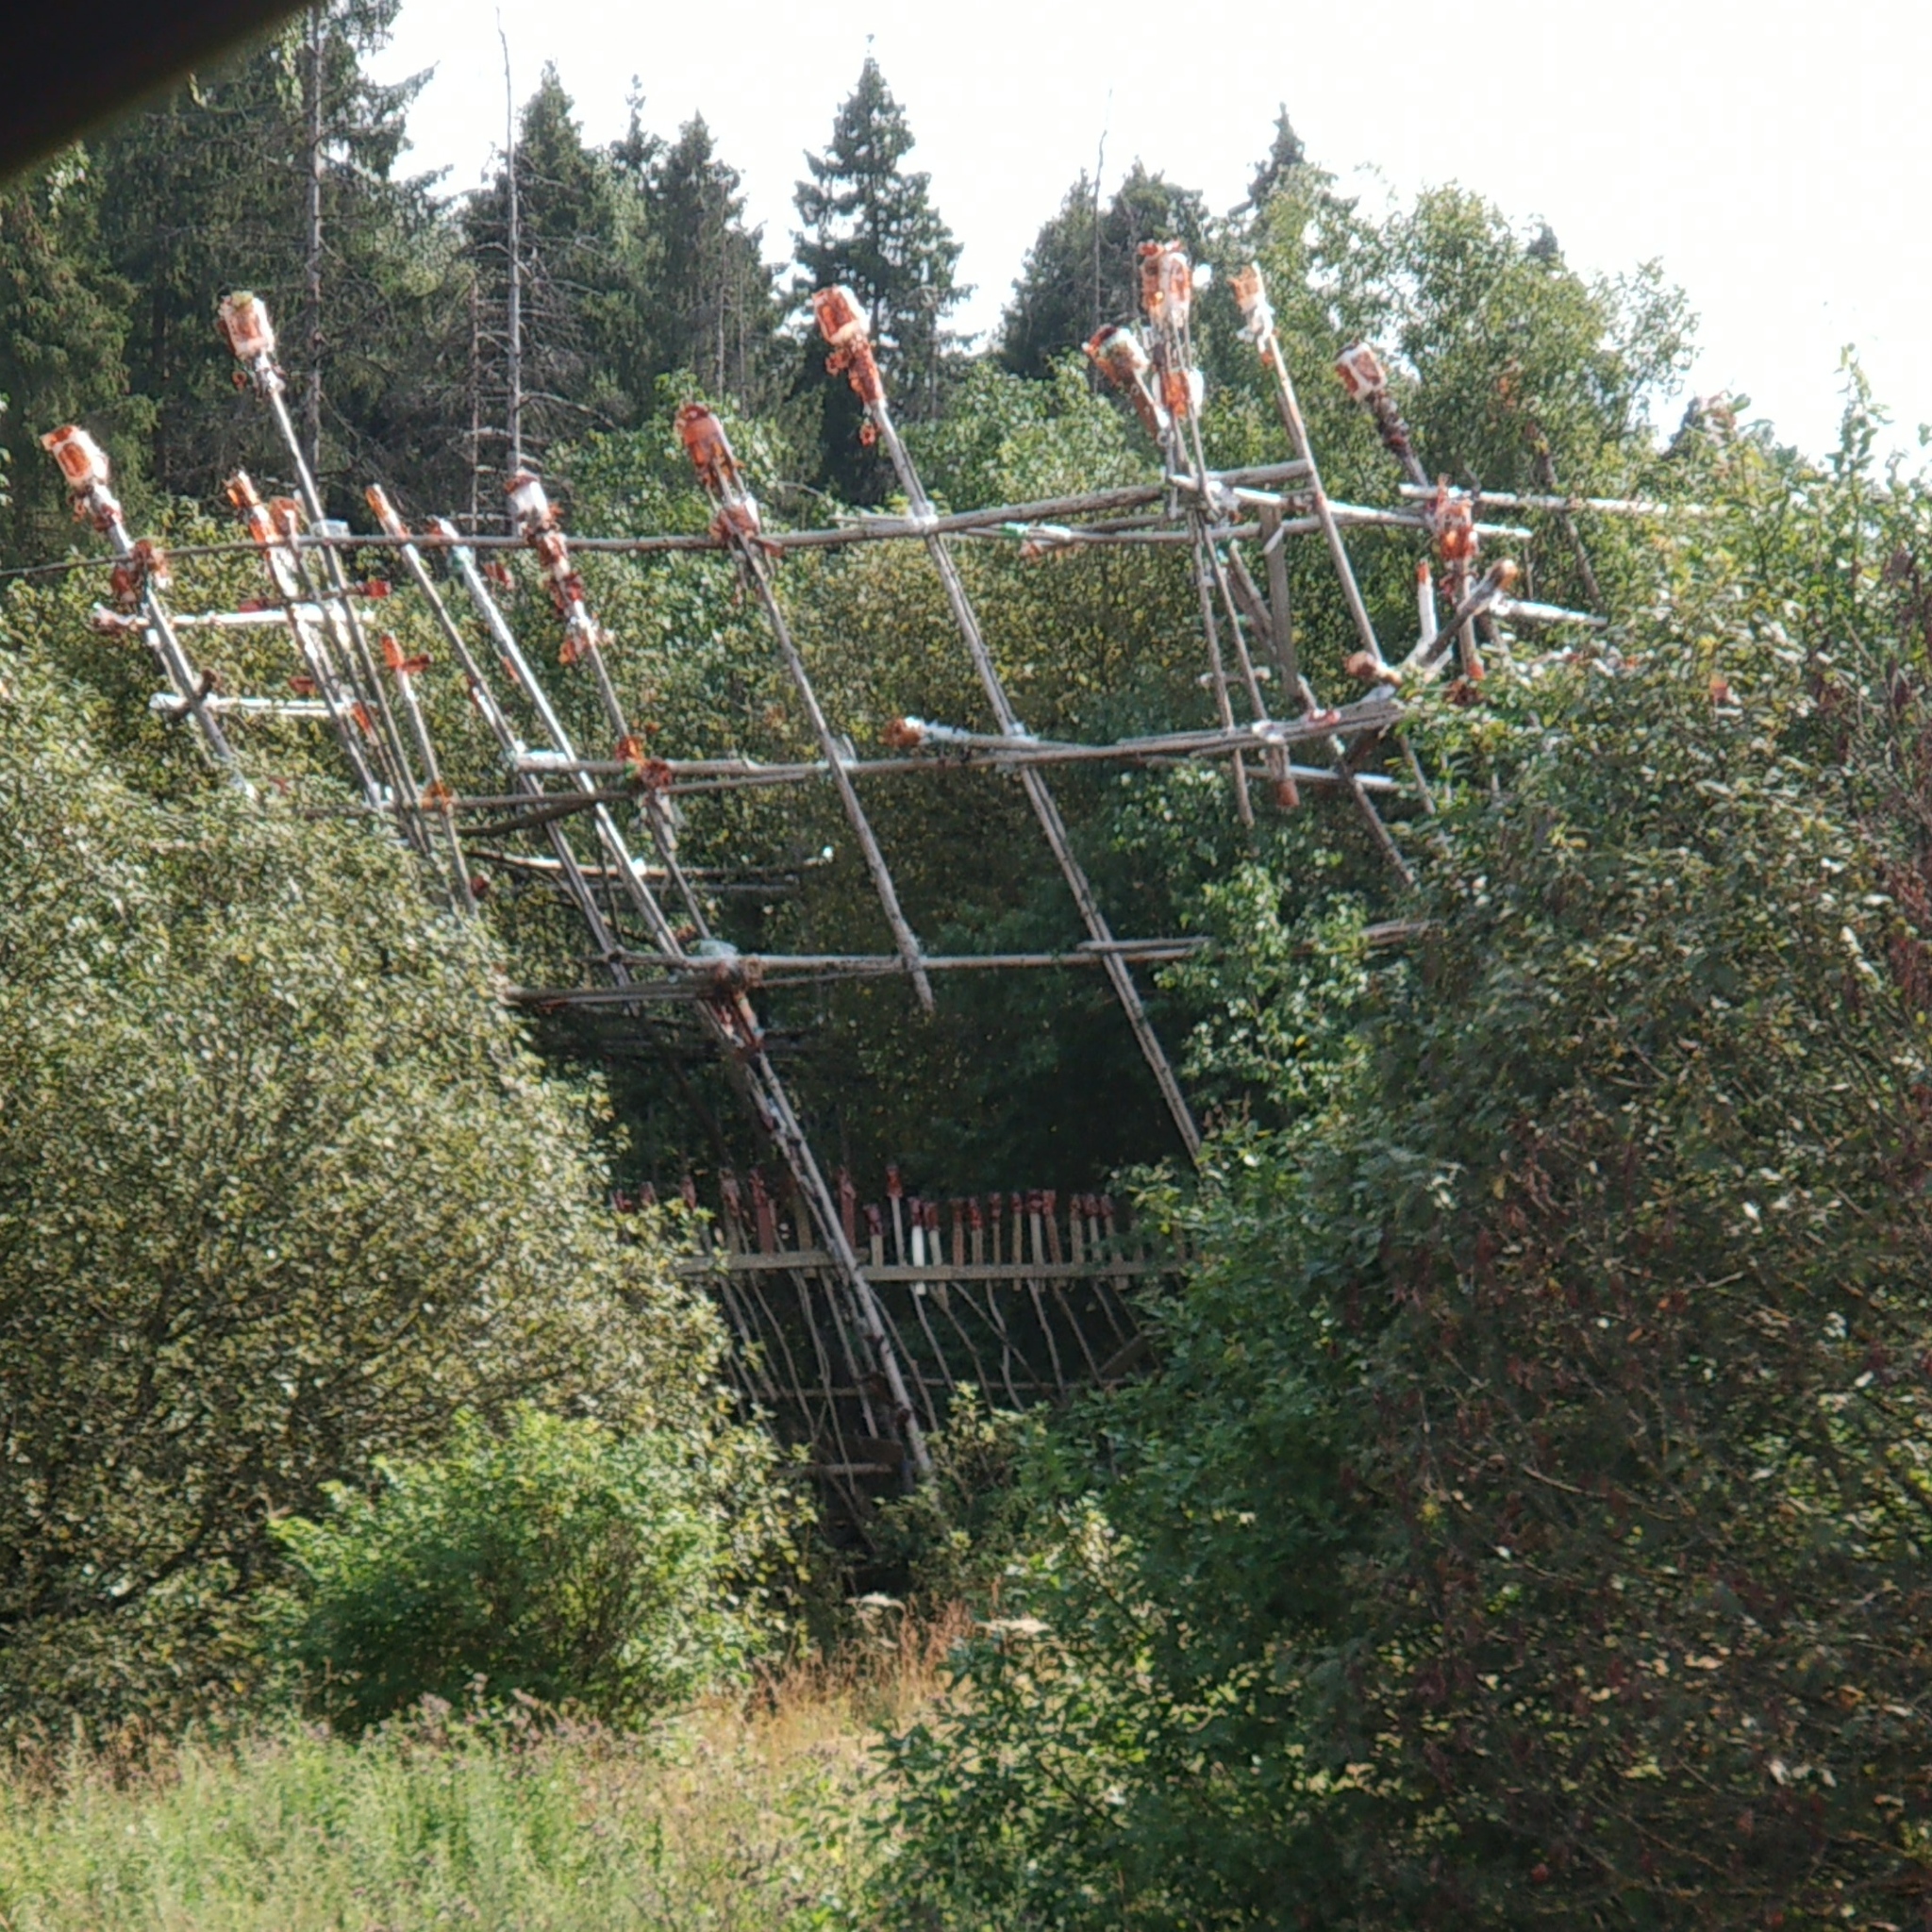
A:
[312, 254]
[513, 320]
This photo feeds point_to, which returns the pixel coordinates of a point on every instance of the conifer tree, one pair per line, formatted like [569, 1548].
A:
[1076, 279]
[716, 314]
[63, 327]
[208, 190]
[1285, 153]
[588, 341]
[870, 225]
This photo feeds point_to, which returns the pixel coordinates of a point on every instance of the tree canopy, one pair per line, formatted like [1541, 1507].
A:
[1527, 1526]
[282, 1189]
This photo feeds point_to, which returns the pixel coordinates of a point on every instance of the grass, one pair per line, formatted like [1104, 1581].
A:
[754, 1812]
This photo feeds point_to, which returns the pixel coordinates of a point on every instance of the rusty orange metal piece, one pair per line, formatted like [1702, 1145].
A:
[1119, 357]
[84, 467]
[734, 508]
[401, 661]
[384, 512]
[82, 463]
[1167, 297]
[146, 563]
[244, 320]
[1256, 312]
[841, 322]
[1361, 372]
[1167, 284]
[1367, 383]
[537, 521]
[1452, 522]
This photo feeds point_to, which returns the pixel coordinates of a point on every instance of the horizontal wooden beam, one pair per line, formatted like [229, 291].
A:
[812, 1260]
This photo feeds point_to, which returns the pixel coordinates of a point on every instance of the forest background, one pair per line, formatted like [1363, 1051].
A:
[1525, 1522]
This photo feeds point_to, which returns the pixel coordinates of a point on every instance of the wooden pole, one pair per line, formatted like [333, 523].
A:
[738, 522]
[728, 1018]
[311, 259]
[514, 319]
[1044, 810]
[1259, 316]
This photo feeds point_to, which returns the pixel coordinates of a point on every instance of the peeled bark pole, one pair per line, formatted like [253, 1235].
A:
[141, 576]
[737, 524]
[844, 327]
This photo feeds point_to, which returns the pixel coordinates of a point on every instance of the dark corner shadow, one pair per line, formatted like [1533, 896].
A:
[67, 67]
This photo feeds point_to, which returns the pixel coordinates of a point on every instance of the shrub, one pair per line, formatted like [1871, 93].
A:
[952, 1536]
[1528, 1524]
[558, 1559]
[281, 1189]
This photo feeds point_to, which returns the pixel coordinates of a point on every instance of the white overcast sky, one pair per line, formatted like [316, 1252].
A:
[1774, 157]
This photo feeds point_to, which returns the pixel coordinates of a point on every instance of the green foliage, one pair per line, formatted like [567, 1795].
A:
[558, 1559]
[63, 327]
[1285, 153]
[281, 1189]
[717, 311]
[205, 191]
[1527, 1524]
[1083, 269]
[954, 1535]
[868, 223]
[500, 1820]
[583, 253]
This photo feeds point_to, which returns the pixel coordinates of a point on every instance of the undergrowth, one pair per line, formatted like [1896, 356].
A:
[760, 1811]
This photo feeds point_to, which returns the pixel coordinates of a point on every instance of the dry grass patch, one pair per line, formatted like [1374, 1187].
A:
[757, 1813]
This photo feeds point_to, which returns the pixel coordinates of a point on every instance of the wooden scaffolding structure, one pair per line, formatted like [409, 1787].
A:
[855, 1324]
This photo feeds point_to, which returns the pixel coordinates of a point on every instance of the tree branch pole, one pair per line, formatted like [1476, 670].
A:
[1210, 570]
[1258, 316]
[729, 1020]
[1171, 406]
[609, 949]
[583, 643]
[246, 326]
[513, 330]
[144, 569]
[1022, 522]
[167, 704]
[1251, 297]
[871, 390]
[1577, 506]
[523, 675]
[403, 669]
[346, 625]
[311, 263]
[288, 578]
[290, 574]
[737, 522]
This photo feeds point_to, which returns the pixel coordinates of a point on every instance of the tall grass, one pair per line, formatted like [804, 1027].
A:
[753, 1813]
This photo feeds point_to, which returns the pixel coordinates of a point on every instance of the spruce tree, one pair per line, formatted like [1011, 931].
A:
[63, 327]
[588, 334]
[208, 190]
[715, 313]
[1075, 280]
[1285, 153]
[869, 223]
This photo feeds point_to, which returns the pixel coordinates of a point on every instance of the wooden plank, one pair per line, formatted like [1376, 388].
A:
[811, 1260]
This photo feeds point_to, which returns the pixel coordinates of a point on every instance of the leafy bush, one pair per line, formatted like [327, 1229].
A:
[559, 1559]
[282, 1189]
[954, 1535]
[1528, 1524]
